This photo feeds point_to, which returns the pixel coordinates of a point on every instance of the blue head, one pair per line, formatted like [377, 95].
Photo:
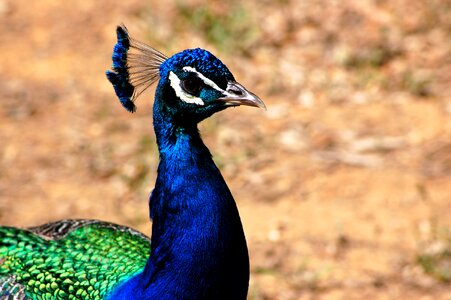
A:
[193, 84]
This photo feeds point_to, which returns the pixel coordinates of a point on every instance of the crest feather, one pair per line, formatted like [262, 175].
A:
[136, 66]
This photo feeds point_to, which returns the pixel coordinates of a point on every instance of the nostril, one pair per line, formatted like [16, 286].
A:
[236, 90]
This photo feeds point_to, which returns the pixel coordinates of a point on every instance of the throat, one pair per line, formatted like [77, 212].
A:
[188, 181]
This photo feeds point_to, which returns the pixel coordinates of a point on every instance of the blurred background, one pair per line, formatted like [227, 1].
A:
[343, 184]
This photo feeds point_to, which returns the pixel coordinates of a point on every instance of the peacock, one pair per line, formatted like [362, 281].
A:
[197, 249]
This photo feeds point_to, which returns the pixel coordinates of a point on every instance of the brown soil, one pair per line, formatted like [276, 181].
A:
[342, 184]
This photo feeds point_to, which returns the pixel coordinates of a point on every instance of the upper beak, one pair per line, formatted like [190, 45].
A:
[236, 94]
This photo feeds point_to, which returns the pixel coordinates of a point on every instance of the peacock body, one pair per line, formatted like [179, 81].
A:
[197, 249]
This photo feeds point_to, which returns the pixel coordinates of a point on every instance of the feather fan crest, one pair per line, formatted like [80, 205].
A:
[136, 66]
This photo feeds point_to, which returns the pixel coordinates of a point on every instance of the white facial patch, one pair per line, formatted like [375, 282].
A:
[185, 97]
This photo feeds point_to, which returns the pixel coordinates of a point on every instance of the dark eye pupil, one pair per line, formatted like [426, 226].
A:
[192, 85]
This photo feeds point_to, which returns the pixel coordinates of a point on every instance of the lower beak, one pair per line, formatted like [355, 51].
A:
[236, 94]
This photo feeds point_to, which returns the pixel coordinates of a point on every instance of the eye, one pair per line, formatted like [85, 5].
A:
[192, 85]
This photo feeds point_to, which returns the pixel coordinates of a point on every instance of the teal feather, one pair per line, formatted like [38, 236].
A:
[69, 259]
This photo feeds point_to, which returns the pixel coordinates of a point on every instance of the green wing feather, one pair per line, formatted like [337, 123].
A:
[71, 259]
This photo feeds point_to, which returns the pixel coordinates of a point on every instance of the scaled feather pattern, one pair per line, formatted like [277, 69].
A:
[69, 259]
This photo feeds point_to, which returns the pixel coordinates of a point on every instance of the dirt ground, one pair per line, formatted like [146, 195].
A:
[343, 184]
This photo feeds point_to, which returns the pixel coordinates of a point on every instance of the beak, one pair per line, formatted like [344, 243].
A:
[236, 94]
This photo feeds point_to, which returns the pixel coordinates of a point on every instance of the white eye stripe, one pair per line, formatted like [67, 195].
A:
[207, 81]
[185, 97]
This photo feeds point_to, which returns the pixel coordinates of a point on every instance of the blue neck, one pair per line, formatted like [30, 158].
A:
[198, 245]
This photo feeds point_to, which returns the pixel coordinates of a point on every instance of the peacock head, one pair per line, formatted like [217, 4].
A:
[193, 84]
